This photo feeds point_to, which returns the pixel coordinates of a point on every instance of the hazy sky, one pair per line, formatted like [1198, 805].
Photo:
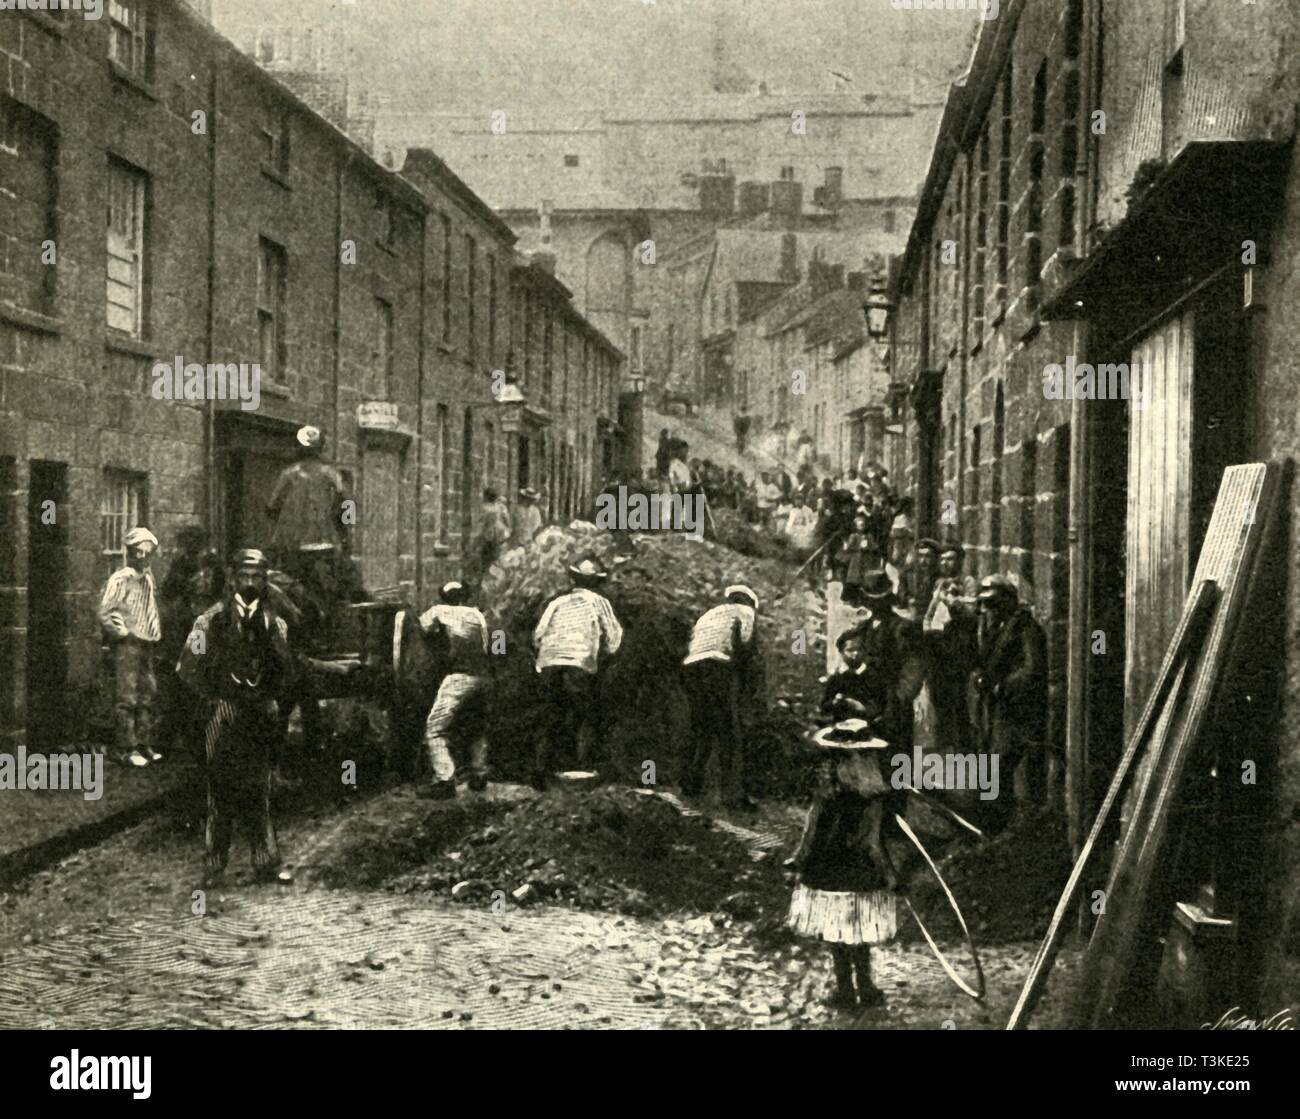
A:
[582, 53]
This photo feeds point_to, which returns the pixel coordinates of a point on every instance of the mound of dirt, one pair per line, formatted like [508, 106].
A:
[612, 849]
[1007, 886]
[659, 584]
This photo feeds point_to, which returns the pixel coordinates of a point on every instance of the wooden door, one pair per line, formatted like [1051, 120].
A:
[1159, 503]
[381, 481]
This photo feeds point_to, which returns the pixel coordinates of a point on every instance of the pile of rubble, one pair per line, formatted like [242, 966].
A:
[1007, 886]
[614, 849]
[659, 584]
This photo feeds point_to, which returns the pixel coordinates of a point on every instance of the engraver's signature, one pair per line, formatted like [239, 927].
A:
[1234, 1019]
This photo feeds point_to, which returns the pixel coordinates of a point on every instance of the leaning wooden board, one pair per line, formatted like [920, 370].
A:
[1185, 646]
[1125, 940]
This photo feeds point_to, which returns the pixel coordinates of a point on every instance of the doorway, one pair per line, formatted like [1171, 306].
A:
[47, 574]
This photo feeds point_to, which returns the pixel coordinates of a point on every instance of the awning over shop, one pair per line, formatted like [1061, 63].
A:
[1190, 222]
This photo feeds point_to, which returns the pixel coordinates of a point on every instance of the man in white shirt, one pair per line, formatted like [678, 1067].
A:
[131, 629]
[576, 633]
[722, 662]
[458, 711]
[768, 495]
[526, 520]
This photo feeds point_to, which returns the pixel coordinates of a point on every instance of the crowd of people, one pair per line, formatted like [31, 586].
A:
[928, 635]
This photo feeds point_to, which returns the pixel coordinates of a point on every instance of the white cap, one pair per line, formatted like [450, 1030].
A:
[139, 536]
[741, 589]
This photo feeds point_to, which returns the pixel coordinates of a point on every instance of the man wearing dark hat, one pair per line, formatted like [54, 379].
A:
[722, 669]
[237, 657]
[892, 653]
[577, 631]
[457, 715]
[131, 628]
[918, 577]
[951, 632]
[1011, 680]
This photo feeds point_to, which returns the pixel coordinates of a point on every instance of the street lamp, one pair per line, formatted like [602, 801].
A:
[877, 309]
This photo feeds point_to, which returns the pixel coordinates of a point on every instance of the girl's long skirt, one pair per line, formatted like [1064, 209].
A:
[844, 916]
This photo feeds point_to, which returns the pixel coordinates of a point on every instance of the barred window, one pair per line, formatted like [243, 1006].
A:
[123, 506]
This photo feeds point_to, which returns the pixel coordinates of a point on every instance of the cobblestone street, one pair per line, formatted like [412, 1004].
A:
[123, 947]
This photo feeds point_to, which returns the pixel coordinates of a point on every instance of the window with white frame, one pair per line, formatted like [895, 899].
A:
[128, 35]
[123, 506]
[126, 249]
[271, 278]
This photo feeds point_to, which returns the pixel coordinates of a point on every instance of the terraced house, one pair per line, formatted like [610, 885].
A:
[1113, 186]
[164, 200]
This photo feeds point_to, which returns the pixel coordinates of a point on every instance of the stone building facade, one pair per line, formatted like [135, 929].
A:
[1133, 208]
[242, 227]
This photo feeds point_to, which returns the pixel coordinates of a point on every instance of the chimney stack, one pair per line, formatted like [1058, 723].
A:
[833, 188]
[752, 199]
[789, 258]
[787, 198]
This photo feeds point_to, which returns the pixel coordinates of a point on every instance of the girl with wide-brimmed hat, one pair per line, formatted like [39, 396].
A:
[845, 894]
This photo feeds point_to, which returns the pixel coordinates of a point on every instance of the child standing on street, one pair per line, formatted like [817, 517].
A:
[845, 890]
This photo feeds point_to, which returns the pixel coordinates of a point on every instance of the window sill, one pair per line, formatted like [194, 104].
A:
[276, 176]
[442, 549]
[125, 344]
[47, 22]
[130, 77]
[30, 320]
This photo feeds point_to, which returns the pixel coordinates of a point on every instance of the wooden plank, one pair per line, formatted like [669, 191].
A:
[1187, 641]
[1124, 946]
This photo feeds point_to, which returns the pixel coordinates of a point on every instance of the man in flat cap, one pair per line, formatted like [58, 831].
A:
[1011, 681]
[457, 717]
[576, 634]
[722, 671]
[131, 629]
[306, 504]
[526, 518]
[237, 658]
